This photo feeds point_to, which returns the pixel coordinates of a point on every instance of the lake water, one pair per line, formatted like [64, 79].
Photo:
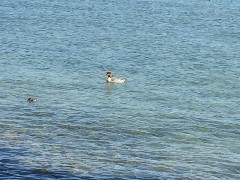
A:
[177, 117]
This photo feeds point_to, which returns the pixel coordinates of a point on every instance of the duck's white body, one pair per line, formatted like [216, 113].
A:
[115, 80]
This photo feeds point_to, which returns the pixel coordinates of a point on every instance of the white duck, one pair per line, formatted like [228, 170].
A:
[112, 79]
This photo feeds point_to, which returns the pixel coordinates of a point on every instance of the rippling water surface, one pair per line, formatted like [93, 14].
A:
[177, 117]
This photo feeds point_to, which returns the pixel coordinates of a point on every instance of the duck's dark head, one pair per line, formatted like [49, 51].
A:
[109, 74]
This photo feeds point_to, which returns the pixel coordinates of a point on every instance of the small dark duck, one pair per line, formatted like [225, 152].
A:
[31, 100]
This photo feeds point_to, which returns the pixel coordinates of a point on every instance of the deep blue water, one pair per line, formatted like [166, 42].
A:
[177, 117]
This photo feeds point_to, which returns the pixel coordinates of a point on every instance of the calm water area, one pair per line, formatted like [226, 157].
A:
[177, 117]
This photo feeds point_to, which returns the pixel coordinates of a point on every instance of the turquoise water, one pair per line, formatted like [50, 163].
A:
[177, 117]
